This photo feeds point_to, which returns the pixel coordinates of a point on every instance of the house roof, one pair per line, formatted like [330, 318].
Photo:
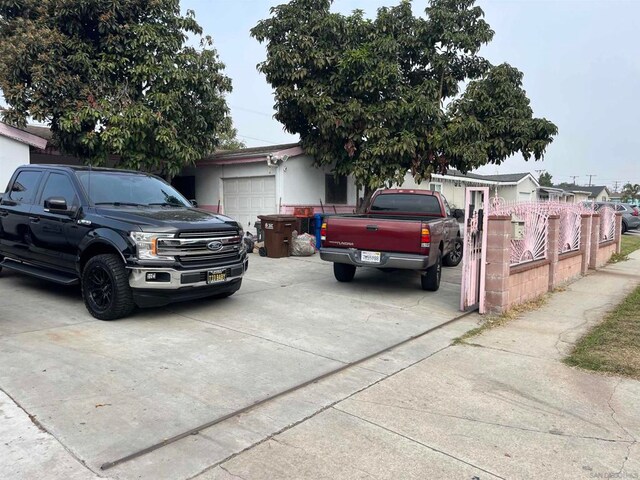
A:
[250, 152]
[22, 136]
[506, 177]
[593, 191]
[40, 130]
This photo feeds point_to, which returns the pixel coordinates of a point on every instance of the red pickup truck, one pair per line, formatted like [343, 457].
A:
[401, 229]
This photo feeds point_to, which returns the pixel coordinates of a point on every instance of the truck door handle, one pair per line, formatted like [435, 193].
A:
[372, 228]
[34, 219]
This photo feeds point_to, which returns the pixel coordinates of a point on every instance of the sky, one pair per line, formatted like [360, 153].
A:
[581, 64]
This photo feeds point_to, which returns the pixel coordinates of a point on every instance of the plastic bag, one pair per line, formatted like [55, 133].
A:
[303, 245]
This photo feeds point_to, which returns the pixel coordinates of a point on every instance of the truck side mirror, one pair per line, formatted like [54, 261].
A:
[193, 203]
[56, 204]
[458, 214]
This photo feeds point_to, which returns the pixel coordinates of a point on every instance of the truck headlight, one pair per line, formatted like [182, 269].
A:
[147, 245]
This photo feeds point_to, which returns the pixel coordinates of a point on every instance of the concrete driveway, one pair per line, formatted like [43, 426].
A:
[108, 389]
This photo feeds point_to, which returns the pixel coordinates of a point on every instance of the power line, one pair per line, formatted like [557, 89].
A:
[257, 139]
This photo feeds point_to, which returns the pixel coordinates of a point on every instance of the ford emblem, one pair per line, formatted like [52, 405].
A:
[214, 246]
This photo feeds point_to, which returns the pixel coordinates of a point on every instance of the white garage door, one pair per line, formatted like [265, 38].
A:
[246, 198]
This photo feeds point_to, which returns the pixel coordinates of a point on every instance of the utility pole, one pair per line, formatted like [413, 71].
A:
[574, 178]
[615, 185]
[590, 176]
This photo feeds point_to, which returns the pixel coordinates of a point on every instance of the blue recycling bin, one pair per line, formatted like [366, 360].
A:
[317, 225]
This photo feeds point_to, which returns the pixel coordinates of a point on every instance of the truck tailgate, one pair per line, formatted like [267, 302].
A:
[375, 234]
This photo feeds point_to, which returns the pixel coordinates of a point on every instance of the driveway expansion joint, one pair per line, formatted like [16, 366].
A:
[43, 429]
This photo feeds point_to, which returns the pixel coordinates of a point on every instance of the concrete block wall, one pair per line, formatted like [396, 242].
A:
[507, 286]
[569, 268]
[528, 281]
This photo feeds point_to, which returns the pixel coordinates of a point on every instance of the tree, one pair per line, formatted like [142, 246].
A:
[229, 138]
[545, 179]
[382, 97]
[630, 192]
[114, 77]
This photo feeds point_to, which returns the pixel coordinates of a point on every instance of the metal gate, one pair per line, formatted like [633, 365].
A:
[474, 254]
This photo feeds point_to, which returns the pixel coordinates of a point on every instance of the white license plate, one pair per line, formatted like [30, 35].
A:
[216, 276]
[370, 257]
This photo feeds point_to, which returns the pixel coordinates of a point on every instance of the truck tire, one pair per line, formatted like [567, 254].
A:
[624, 228]
[105, 288]
[344, 272]
[454, 257]
[431, 279]
[1, 260]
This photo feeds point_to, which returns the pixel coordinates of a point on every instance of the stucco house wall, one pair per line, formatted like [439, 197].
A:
[12, 155]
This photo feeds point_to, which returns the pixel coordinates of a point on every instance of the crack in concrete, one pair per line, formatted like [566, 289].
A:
[478, 345]
[232, 474]
[613, 417]
[418, 442]
[497, 424]
[43, 429]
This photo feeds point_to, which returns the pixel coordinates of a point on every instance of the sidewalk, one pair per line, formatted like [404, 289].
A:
[504, 407]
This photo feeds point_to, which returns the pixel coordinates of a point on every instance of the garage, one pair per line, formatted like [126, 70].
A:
[246, 198]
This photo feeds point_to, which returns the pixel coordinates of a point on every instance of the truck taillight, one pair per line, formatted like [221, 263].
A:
[323, 231]
[425, 237]
[635, 212]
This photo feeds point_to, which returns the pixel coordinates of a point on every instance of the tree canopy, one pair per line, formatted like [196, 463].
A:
[545, 179]
[385, 96]
[631, 192]
[114, 77]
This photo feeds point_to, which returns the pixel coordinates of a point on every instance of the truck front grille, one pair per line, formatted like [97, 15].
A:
[194, 249]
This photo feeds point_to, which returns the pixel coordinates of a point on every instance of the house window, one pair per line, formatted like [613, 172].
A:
[436, 187]
[335, 189]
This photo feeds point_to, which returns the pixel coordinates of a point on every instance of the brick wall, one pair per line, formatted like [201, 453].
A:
[603, 255]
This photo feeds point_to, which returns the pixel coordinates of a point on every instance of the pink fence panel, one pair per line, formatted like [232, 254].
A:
[607, 223]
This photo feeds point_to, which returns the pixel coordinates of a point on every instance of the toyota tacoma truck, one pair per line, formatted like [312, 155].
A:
[401, 229]
[127, 238]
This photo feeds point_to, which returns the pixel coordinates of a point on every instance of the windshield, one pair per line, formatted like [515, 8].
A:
[114, 188]
[407, 203]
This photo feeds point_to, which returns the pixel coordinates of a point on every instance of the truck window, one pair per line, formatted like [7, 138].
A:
[24, 188]
[59, 185]
[407, 203]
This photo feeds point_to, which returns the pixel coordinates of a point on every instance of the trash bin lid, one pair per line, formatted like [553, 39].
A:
[278, 218]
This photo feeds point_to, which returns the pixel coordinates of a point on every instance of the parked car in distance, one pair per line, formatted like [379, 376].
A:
[401, 229]
[630, 213]
[128, 238]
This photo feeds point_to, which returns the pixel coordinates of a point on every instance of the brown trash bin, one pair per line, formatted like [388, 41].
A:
[278, 231]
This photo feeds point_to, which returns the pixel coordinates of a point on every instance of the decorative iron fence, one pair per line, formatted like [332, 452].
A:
[570, 226]
[530, 224]
[607, 223]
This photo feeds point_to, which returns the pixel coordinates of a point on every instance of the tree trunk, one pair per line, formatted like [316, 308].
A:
[364, 201]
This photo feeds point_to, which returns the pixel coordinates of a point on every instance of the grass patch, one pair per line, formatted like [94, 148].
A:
[614, 345]
[629, 243]
[492, 321]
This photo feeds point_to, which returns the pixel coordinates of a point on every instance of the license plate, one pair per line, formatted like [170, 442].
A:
[216, 276]
[370, 257]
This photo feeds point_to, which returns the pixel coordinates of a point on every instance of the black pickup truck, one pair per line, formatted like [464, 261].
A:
[128, 238]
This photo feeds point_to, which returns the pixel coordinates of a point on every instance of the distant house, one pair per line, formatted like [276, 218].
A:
[512, 187]
[563, 194]
[15, 147]
[598, 193]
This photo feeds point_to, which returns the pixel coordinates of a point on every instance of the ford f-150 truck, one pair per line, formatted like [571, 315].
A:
[401, 229]
[128, 238]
